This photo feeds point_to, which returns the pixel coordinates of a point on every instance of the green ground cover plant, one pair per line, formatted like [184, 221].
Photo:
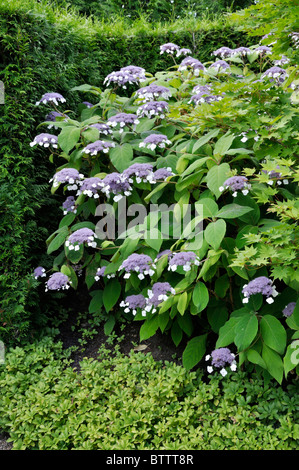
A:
[220, 136]
[117, 402]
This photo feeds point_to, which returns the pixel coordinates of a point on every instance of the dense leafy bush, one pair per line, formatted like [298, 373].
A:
[135, 403]
[43, 48]
[225, 145]
[154, 10]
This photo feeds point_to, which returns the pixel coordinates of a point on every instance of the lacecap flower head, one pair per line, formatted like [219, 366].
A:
[259, 285]
[102, 128]
[159, 292]
[116, 184]
[152, 109]
[220, 65]
[235, 184]
[69, 205]
[220, 359]
[122, 120]
[52, 117]
[55, 98]
[152, 92]
[67, 175]
[142, 172]
[121, 78]
[90, 187]
[58, 281]
[45, 140]
[155, 140]
[185, 259]
[289, 309]
[101, 272]
[190, 63]
[39, 272]
[98, 146]
[141, 264]
[223, 52]
[79, 237]
[132, 303]
[169, 48]
[135, 72]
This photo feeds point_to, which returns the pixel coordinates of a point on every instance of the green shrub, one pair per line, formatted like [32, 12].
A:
[247, 131]
[44, 49]
[118, 402]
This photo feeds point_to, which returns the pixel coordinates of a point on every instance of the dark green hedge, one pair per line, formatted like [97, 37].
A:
[41, 53]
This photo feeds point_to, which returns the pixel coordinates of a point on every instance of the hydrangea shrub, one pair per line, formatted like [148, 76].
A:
[215, 142]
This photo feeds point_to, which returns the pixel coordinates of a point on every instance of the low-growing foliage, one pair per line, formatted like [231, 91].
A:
[219, 137]
[117, 402]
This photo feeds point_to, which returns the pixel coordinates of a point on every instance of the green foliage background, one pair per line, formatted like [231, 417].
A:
[42, 49]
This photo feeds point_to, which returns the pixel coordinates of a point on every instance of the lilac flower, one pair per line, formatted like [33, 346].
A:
[235, 184]
[142, 264]
[79, 237]
[204, 98]
[90, 187]
[121, 78]
[295, 39]
[153, 108]
[98, 146]
[117, 184]
[102, 128]
[133, 302]
[45, 140]
[259, 285]
[58, 281]
[155, 140]
[220, 358]
[184, 259]
[134, 71]
[276, 175]
[100, 273]
[276, 73]
[52, 117]
[122, 120]
[87, 104]
[67, 175]
[141, 172]
[157, 294]
[169, 48]
[152, 92]
[162, 174]
[183, 51]
[288, 310]
[282, 61]
[202, 89]
[39, 272]
[69, 205]
[220, 65]
[241, 51]
[263, 50]
[52, 98]
[194, 64]
[223, 52]
[163, 253]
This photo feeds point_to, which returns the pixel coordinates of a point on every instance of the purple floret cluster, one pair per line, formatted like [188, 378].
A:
[259, 285]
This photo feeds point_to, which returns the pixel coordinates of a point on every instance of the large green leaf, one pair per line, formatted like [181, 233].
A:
[204, 139]
[214, 233]
[58, 241]
[216, 177]
[273, 362]
[233, 211]
[111, 294]
[273, 333]
[194, 351]
[227, 332]
[68, 138]
[245, 331]
[200, 296]
[223, 144]
[121, 156]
